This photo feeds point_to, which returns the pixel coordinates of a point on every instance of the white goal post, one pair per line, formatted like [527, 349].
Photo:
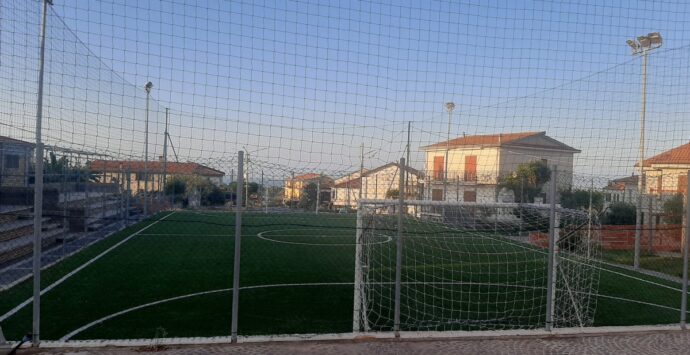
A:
[481, 266]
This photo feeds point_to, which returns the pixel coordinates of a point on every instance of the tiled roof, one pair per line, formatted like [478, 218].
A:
[621, 183]
[501, 139]
[155, 167]
[487, 139]
[4, 139]
[677, 155]
[306, 177]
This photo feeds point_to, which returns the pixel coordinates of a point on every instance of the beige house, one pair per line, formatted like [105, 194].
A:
[667, 173]
[292, 190]
[131, 174]
[621, 190]
[15, 162]
[374, 184]
[476, 163]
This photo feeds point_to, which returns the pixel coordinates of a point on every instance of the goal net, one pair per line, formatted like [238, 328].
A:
[473, 266]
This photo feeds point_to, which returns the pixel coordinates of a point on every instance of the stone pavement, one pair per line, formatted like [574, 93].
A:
[662, 342]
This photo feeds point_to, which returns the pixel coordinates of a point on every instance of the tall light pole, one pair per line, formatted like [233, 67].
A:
[641, 47]
[449, 107]
[147, 87]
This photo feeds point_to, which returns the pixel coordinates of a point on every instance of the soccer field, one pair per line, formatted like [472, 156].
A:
[171, 276]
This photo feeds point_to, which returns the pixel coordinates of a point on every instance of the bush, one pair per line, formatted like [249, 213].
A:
[620, 213]
[673, 210]
[216, 197]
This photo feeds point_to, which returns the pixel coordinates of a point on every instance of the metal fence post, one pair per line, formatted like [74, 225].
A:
[551, 272]
[684, 293]
[399, 247]
[238, 242]
[38, 190]
[357, 320]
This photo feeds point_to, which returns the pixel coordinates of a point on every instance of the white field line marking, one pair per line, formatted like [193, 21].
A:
[81, 267]
[186, 234]
[101, 320]
[261, 236]
[146, 305]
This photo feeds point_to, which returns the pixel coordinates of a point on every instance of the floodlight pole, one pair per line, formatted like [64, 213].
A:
[318, 193]
[238, 242]
[399, 251]
[147, 87]
[642, 46]
[38, 189]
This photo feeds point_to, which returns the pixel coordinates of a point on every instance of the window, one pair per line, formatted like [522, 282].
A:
[437, 195]
[682, 183]
[471, 168]
[438, 168]
[11, 161]
[469, 196]
[141, 176]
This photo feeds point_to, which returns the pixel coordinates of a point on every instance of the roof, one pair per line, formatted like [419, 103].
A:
[154, 167]
[356, 183]
[4, 139]
[621, 183]
[306, 177]
[677, 155]
[502, 139]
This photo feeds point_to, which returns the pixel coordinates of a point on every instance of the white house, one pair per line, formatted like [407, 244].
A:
[378, 183]
[476, 163]
[621, 190]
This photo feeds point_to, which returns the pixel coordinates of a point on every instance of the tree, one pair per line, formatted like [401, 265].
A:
[307, 199]
[393, 194]
[620, 213]
[216, 197]
[673, 210]
[175, 186]
[527, 180]
[579, 199]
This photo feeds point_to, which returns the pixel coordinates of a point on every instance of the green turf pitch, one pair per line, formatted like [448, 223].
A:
[284, 259]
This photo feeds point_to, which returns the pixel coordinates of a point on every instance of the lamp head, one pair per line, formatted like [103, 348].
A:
[450, 106]
[148, 87]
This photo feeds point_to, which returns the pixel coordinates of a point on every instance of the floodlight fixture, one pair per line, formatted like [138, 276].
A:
[450, 106]
[633, 45]
[655, 38]
[148, 87]
[644, 41]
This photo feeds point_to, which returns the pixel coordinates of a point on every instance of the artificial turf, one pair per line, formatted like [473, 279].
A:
[296, 278]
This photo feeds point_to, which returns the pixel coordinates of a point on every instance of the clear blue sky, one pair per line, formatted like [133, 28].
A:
[304, 83]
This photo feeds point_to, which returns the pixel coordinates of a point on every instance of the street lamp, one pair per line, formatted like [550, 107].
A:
[449, 107]
[642, 46]
[148, 88]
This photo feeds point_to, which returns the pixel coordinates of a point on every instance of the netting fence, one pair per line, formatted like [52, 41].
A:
[544, 182]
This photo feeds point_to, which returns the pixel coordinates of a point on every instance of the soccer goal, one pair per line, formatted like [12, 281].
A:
[440, 266]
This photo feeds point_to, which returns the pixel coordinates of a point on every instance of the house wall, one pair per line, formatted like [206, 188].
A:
[19, 176]
[512, 157]
[487, 163]
[663, 179]
[155, 181]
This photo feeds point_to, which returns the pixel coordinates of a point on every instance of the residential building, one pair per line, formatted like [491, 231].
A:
[667, 173]
[132, 174]
[15, 162]
[621, 190]
[378, 183]
[293, 188]
[476, 164]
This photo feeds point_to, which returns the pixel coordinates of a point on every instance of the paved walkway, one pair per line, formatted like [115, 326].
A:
[666, 342]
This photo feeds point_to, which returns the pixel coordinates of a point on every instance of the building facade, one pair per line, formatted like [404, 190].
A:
[133, 174]
[476, 164]
[15, 162]
[379, 183]
[293, 187]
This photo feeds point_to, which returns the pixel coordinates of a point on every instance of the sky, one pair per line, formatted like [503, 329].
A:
[304, 85]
